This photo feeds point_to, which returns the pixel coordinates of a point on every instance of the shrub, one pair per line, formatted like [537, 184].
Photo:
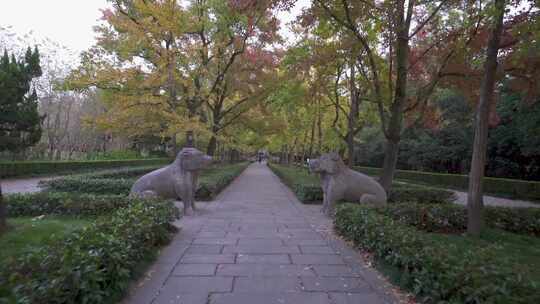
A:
[401, 193]
[123, 172]
[438, 269]
[308, 190]
[83, 184]
[13, 169]
[59, 203]
[512, 187]
[450, 218]
[211, 181]
[91, 265]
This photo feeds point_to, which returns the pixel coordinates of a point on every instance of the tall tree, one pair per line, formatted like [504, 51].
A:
[476, 175]
[384, 23]
[166, 63]
[19, 118]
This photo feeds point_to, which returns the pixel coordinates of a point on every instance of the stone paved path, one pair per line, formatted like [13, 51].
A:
[256, 244]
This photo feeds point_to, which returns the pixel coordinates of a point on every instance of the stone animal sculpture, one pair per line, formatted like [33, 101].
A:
[175, 181]
[339, 182]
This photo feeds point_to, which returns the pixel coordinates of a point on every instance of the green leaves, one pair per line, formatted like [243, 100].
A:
[93, 264]
[440, 268]
[20, 122]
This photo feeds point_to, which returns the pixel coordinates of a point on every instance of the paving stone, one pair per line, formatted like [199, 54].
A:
[207, 258]
[263, 259]
[211, 234]
[148, 286]
[317, 250]
[241, 250]
[194, 270]
[352, 285]
[266, 284]
[297, 225]
[356, 298]
[261, 242]
[214, 241]
[172, 297]
[171, 254]
[335, 271]
[257, 234]
[261, 249]
[270, 298]
[204, 249]
[304, 242]
[264, 270]
[304, 235]
[321, 259]
[198, 285]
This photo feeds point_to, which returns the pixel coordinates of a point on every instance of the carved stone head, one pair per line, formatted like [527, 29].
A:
[329, 163]
[191, 159]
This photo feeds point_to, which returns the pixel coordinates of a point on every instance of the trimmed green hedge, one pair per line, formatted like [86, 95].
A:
[59, 203]
[450, 218]
[513, 187]
[14, 169]
[308, 190]
[91, 265]
[442, 268]
[211, 181]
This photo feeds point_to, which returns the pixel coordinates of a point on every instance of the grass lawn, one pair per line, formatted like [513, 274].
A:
[25, 233]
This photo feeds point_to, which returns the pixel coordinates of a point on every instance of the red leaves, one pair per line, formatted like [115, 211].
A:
[107, 14]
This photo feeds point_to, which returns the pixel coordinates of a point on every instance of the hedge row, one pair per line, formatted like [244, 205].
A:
[450, 218]
[211, 181]
[84, 184]
[13, 169]
[513, 187]
[91, 265]
[60, 203]
[308, 190]
[438, 270]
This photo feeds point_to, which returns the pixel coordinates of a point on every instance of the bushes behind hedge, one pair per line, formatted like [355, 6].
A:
[439, 268]
[123, 172]
[83, 184]
[13, 169]
[91, 265]
[450, 218]
[513, 187]
[61, 203]
[211, 181]
[308, 190]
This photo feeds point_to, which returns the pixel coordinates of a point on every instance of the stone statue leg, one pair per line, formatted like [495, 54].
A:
[331, 199]
[194, 191]
[188, 206]
[325, 203]
[185, 196]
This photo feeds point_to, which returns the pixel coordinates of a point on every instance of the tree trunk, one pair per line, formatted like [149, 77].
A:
[393, 132]
[212, 144]
[352, 121]
[3, 213]
[312, 139]
[475, 195]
